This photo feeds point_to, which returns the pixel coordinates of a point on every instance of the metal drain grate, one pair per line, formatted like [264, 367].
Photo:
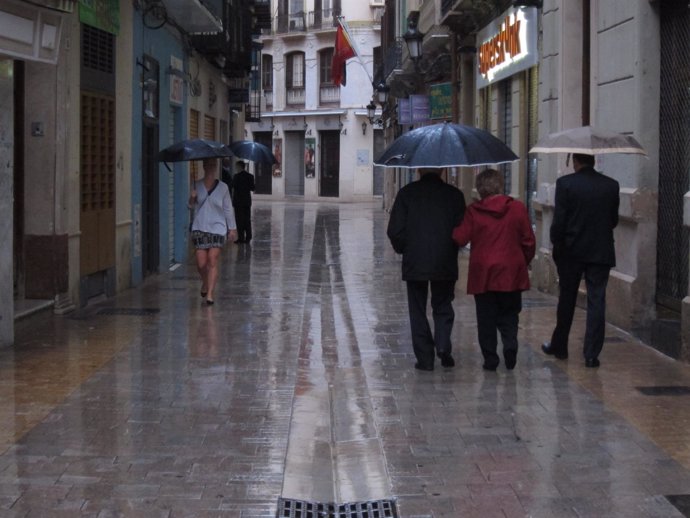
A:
[138, 312]
[673, 390]
[289, 508]
[680, 502]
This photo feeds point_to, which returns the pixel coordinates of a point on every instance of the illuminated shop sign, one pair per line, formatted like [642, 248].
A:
[507, 45]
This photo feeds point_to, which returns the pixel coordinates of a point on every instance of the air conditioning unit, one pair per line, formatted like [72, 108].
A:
[377, 3]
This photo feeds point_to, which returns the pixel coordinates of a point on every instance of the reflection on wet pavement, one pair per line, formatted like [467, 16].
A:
[298, 383]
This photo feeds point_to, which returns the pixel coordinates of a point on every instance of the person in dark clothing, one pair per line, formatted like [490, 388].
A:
[503, 245]
[420, 228]
[242, 187]
[585, 214]
[226, 173]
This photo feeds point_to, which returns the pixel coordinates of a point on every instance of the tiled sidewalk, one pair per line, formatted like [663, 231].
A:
[298, 383]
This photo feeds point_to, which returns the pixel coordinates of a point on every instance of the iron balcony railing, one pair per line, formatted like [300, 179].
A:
[323, 19]
[295, 96]
[329, 94]
[293, 22]
[392, 60]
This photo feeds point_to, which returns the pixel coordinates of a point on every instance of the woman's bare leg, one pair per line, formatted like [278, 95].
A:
[202, 268]
[212, 270]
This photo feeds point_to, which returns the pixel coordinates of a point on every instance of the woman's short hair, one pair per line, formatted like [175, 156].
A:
[489, 182]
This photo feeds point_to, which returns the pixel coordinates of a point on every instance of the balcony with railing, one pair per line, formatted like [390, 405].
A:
[291, 23]
[295, 97]
[329, 94]
[323, 19]
[392, 59]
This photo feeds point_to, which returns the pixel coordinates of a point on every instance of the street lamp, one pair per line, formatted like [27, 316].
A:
[382, 91]
[413, 39]
[371, 111]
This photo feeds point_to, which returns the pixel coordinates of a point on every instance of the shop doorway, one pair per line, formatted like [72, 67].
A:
[263, 173]
[150, 221]
[329, 164]
[293, 163]
[674, 156]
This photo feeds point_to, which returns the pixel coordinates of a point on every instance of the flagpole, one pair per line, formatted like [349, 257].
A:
[343, 24]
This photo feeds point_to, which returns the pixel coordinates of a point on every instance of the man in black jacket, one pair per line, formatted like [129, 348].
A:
[242, 187]
[585, 214]
[420, 228]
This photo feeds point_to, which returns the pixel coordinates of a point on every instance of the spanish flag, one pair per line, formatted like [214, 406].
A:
[342, 52]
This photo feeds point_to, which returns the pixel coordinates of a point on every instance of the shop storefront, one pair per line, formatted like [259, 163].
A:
[507, 87]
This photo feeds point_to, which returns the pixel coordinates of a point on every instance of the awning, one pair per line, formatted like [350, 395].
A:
[193, 16]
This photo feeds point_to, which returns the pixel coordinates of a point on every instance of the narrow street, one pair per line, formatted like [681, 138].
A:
[298, 386]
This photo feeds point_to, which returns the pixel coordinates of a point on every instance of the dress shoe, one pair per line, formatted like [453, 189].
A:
[446, 359]
[510, 359]
[548, 349]
[209, 302]
[422, 367]
[592, 363]
[491, 367]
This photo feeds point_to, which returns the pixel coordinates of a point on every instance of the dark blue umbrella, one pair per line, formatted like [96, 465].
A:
[193, 149]
[254, 151]
[445, 145]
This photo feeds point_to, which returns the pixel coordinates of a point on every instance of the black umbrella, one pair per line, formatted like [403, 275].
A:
[250, 150]
[193, 149]
[445, 145]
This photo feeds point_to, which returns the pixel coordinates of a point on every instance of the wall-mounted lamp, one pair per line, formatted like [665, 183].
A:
[371, 112]
[413, 37]
[382, 91]
[364, 127]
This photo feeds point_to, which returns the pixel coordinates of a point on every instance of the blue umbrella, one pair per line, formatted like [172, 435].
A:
[254, 151]
[445, 145]
[193, 149]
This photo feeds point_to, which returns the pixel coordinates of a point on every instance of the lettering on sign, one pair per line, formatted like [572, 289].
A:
[506, 43]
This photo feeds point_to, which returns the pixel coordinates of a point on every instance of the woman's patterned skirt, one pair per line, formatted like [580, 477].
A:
[205, 240]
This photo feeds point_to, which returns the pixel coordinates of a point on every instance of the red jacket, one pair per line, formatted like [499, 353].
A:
[502, 244]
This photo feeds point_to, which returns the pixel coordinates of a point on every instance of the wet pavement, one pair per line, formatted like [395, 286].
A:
[299, 384]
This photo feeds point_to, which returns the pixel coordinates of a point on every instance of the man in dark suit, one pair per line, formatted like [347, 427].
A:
[242, 187]
[420, 228]
[585, 214]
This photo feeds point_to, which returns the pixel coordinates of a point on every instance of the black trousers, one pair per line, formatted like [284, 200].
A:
[243, 218]
[498, 311]
[425, 344]
[596, 278]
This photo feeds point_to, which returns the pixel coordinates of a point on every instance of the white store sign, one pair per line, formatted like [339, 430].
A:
[507, 45]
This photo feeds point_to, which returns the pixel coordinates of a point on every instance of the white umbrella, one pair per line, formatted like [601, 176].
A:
[587, 140]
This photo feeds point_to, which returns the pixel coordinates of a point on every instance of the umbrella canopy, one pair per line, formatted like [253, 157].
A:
[193, 149]
[445, 145]
[250, 150]
[588, 141]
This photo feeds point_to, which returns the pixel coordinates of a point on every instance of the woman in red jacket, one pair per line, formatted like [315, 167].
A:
[502, 245]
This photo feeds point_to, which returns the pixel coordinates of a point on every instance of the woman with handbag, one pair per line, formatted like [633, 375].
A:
[213, 225]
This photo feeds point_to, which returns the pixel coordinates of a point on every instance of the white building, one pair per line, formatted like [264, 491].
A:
[319, 131]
